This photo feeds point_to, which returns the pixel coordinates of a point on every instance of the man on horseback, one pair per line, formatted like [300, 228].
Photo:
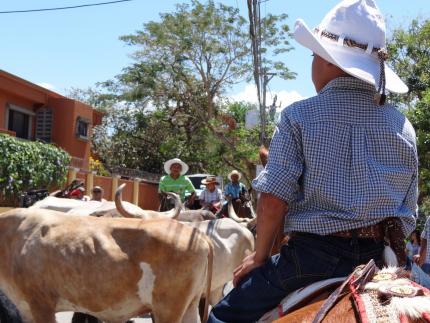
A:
[342, 168]
[235, 192]
[175, 181]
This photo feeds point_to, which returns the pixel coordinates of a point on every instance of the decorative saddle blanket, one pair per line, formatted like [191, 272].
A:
[391, 297]
[380, 296]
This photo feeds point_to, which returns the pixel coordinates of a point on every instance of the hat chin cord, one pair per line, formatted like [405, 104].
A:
[380, 96]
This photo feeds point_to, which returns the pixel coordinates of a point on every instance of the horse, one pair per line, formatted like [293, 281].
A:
[367, 295]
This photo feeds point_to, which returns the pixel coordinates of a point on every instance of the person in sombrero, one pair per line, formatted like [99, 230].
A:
[176, 182]
[211, 197]
[342, 167]
[234, 191]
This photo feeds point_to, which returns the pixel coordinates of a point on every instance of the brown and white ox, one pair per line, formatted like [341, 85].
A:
[232, 242]
[53, 262]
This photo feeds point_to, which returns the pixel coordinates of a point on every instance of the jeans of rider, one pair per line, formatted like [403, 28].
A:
[306, 258]
[426, 268]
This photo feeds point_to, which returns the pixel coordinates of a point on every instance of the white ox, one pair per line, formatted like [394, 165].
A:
[52, 262]
[108, 209]
[95, 208]
[232, 242]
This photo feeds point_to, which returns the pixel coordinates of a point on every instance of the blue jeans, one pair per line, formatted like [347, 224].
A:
[306, 258]
[426, 268]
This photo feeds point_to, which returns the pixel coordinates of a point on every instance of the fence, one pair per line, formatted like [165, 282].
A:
[137, 191]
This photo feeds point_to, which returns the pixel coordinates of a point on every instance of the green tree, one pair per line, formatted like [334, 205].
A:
[409, 51]
[183, 65]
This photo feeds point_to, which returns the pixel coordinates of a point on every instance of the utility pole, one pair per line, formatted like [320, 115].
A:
[261, 76]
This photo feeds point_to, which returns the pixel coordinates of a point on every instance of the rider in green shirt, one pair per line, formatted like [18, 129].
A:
[175, 181]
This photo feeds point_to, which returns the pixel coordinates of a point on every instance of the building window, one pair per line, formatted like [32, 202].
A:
[82, 128]
[19, 121]
[44, 120]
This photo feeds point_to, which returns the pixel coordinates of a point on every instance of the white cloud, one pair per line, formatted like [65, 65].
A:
[48, 86]
[285, 98]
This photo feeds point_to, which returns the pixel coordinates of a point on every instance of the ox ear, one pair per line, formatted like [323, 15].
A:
[264, 154]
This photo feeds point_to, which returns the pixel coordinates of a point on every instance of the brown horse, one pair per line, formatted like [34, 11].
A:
[373, 295]
[343, 312]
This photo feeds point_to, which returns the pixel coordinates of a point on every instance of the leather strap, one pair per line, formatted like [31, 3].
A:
[359, 278]
[371, 232]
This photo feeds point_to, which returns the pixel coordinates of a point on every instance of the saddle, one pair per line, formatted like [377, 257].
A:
[386, 295]
[390, 296]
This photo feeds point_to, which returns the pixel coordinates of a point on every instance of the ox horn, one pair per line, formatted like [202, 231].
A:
[173, 214]
[232, 213]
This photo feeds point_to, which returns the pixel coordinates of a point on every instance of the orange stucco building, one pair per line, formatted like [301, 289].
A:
[32, 112]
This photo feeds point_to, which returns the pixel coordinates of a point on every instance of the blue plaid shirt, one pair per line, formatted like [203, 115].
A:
[341, 162]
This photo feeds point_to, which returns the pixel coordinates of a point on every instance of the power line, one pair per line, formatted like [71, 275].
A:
[64, 8]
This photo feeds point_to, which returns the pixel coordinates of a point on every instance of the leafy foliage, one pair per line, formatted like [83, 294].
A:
[98, 167]
[410, 58]
[144, 140]
[409, 50]
[169, 101]
[30, 165]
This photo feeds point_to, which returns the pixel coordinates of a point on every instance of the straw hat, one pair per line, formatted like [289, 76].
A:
[234, 172]
[170, 162]
[352, 37]
[210, 180]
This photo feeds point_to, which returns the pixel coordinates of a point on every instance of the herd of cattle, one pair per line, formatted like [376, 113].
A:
[116, 261]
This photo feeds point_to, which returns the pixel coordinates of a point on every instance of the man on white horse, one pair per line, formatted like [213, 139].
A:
[342, 168]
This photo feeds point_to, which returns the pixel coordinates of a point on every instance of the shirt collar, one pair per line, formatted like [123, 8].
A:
[180, 176]
[347, 82]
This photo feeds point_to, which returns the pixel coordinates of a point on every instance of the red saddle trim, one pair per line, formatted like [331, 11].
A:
[359, 304]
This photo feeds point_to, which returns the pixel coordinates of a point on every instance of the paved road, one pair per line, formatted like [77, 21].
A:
[66, 317]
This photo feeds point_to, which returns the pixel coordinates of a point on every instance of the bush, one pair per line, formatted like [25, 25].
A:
[26, 165]
[97, 166]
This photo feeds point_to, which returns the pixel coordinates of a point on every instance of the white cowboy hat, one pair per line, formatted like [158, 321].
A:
[170, 162]
[234, 172]
[350, 36]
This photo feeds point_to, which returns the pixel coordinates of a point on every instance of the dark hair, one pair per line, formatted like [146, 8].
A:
[418, 235]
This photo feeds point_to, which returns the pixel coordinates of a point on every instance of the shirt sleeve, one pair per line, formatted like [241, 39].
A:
[190, 187]
[285, 162]
[424, 234]
[220, 196]
[161, 187]
[202, 196]
[226, 189]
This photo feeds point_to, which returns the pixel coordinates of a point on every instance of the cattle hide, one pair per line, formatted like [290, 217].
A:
[113, 269]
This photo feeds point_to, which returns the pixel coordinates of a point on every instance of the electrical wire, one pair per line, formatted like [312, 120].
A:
[64, 8]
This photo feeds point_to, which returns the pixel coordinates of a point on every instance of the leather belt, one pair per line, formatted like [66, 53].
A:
[375, 231]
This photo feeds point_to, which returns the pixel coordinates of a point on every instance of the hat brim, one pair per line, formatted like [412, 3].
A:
[238, 174]
[170, 162]
[353, 61]
[206, 183]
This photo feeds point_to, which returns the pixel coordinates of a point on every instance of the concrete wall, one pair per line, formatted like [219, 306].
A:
[147, 197]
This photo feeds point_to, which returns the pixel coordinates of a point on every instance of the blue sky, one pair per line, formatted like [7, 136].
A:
[77, 48]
